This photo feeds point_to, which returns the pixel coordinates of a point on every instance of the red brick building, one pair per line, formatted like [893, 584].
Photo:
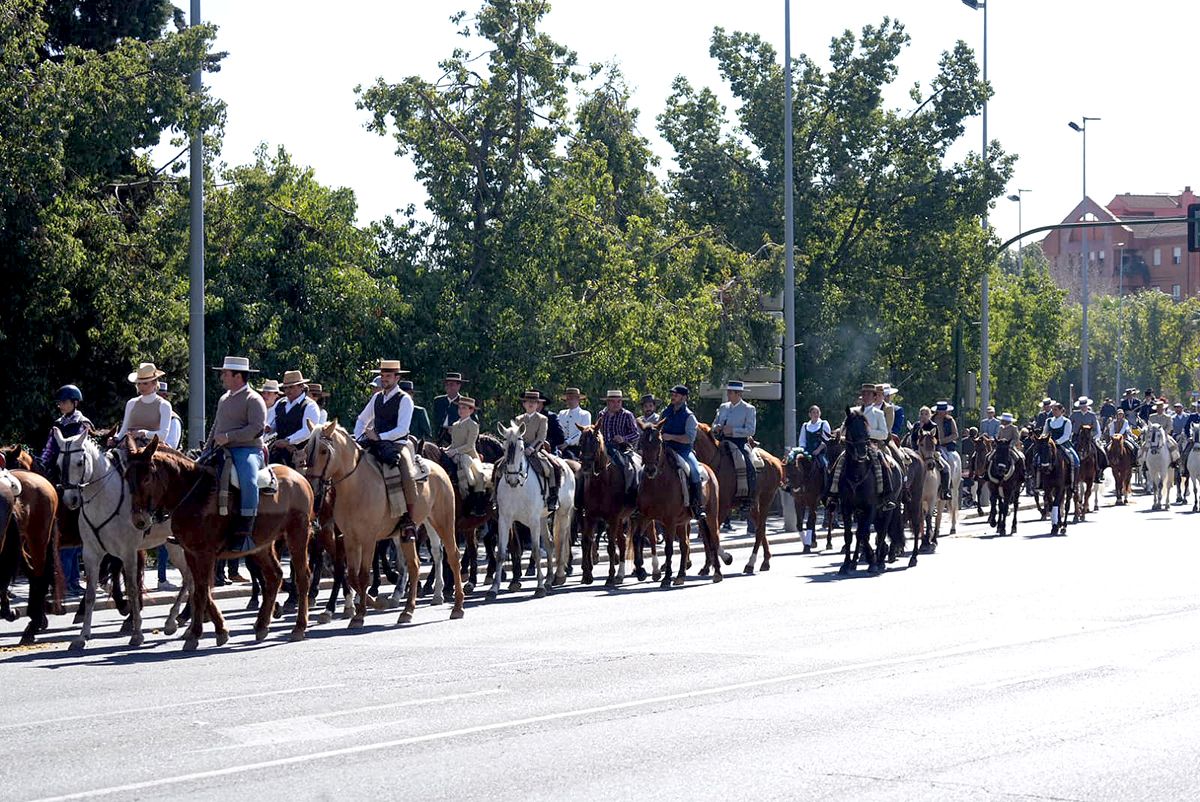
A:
[1154, 256]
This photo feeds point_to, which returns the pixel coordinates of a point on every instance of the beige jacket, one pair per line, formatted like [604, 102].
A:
[241, 416]
[1008, 432]
[463, 434]
[535, 428]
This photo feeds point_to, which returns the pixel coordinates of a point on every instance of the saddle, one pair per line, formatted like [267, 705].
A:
[227, 480]
[393, 474]
[741, 484]
[683, 471]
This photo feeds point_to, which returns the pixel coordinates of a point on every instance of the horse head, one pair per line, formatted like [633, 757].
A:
[855, 431]
[1047, 452]
[78, 458]
[798, 468]
[516, 467]
[591, 449]
[651, 445]
[1001, 458]
[146, 479]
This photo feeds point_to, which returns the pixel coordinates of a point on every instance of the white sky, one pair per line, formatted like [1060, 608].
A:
[292, 67]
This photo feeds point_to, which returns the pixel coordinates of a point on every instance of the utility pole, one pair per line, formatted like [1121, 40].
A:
[1084, 258]
[196, 422]
[985, 356]
[789, 243]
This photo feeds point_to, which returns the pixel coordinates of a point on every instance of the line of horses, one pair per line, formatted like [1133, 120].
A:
[333, 507]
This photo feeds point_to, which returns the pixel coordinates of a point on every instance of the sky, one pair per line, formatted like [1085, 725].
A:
[292, 66]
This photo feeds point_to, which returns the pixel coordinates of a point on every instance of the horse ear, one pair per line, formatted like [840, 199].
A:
[129, 443]
[330, 428]
[500, 427]
[658, 424]
[152, 447]
[59, 440]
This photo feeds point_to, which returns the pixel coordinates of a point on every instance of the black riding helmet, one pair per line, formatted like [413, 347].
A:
[68, 392]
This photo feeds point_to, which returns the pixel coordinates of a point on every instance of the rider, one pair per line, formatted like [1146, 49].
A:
[533, 433]
[1008, 433]
[990, 425]
[382, 427]
[1108, 411]
[148, 414]
[1148, 404]
[735, 423]
[1039, 423]
[899, 421]
[444, 414]
[292, 417]
[947, 435]
[70, 423]
[270, 393]
[317, 393]
[570, 419]
[1120, 425]
[877, 435]
[1059, 429]
[620, 431]
[1160, 417]
[1129, 403]
[463, 435]
[678, 434]
[175, 433]
[1179, 423]
[1083, 416]
[814, 437]
[238, 427]
[420, 427]
[650, 406]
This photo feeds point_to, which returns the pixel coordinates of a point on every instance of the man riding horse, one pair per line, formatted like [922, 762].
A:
[735, 424]
[238, 428]
[679, 434]
[534, 430]
[382, 428]
[620, 431]
[1058, 427]
[445, 413]
[293, 415]
[877, 432]
[1084, 416]
[572, 421]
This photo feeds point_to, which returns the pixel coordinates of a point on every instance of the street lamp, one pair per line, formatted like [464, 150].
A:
[1020, 225]
[1083, 253]
[789, 242]
[196, 425]
[985, 366]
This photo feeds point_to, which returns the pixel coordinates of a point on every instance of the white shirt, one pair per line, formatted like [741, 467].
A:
[569, 419]
[877, 428]
[310, 414]
[813, 428]
[174, 433]
[1113, 430]
[270, 426]
[322, 417]
[403, 419]
[164, 416]
[1065, 435]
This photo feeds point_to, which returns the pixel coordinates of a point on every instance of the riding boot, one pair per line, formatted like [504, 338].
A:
[695, 496]
[242, 536]
[408, 529]
[552, 498]
[944, 484]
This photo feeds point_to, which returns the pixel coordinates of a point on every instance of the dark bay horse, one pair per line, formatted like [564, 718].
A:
[471, 515]
[861, 504]
[1120, 460]
[1005, 475]
[162, 479]
[660, 498]
[1054, 469]
[805, 479]
[29, 540]
[604, 500]
[979, 463]
[770, 479]
[1089, 474]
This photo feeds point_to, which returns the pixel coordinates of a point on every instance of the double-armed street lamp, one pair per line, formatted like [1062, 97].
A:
[1084, 256]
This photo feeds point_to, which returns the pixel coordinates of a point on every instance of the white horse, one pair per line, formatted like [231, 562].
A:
[520, 499]
[1156, 454]
[1193, 466]
[955, 462]
[93, 483]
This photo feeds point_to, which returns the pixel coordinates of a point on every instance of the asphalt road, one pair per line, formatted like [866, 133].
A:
[999, 668]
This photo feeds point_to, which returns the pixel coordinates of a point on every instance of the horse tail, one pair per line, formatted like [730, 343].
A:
[58, 581]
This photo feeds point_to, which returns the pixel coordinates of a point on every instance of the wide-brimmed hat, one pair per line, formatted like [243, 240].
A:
[406, 386]
[145, 372]
[1083, 399]
[612, 395]
[1129, 390]
[466, 401]
[1077, 404]
[990, 409]
[390, 365]
[1047, 401]
[239, 364]
[735, 386]
[649, 397]
[943, 406]
[1006, 417]
[889, 390]
[291, 378]
[867, 387]
[680, 389]
[315, 390]
[531, 395]
[270, 386]
[572, 391]
[454, 377]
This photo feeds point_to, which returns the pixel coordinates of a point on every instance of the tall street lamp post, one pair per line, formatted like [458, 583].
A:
[1017, 199]
[196, 424]
[985, 367]
[789, 243]
[1120, 311]
[1084, 256]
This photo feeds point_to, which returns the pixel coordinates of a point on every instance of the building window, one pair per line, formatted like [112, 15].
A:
[1177, 256]
[1175, 291]
[1158, 257]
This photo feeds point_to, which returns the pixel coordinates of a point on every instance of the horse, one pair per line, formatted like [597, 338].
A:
[661, 498]
[93, 483]
[163, 479]
[1005, 474]
[30, 539]
[470, 513]
[768, 482]
[1193, 465]
[604, 500]
[951, 505]
[861, 504]
[363, 514]
[1088, 475]
[925, 531]
[1028, 446]
[1156, 454]
[833, 449]
[1054, 466]
[520, 499]
[1120, 460]
[806, 483]
[979, 461]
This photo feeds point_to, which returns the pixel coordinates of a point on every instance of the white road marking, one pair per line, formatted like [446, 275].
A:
[168, 706]
[1066, 672]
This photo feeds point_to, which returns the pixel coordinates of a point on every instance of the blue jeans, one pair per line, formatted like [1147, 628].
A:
[689, 458]
[1072, 454]
[70, 565]
[162, 563]
[248, 461]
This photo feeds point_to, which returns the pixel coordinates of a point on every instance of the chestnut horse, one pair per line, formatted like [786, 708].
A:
[29, 538]
[604, 499]
[362, 513]
[660, 498]
[770, 479]
[162, 479]
[1089, 474]
[1120, 460]
[806, 482]
[979, 463]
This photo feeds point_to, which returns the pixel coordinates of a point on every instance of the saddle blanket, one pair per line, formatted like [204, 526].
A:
[756, 459]
[12, 481]
[227, 481]
[393, 479]
[681, 469]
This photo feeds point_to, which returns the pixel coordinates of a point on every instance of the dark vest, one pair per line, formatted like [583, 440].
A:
[387, 414]
[288, 423]
[813, 440]
[676, 421]
[947, 430]
[1056, 431]
[74, 427]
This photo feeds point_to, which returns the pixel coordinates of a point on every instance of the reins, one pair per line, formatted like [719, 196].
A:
[84, 499]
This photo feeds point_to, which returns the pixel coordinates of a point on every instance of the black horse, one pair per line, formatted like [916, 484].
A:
[859, 500]
[1054, 468]
[1005, 475]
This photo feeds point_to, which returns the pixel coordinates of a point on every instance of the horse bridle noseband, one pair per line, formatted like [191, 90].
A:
[81, 487]
[523, 473]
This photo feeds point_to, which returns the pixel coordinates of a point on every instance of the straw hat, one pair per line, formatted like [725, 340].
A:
[454, 377]
[145, 372]
[1006, 417]
[291, 378]
[614, 394]
[867, 387]
[466, 401]
[572, 392]
[390, 365]
[270, 386]
[162, 389]
[943, 406]
[735, 386]
[531, 395]
[315, 390]
[235, 363]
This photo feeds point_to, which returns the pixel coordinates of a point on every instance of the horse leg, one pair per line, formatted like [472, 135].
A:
[470, 560]
[255, 572]
[543, 540]
[179, 560]
[91, 565]
[132, 570]
[668, 555]
[298, 541]
[585, 541]
[848, 564]
[504, 527]
[614, 555]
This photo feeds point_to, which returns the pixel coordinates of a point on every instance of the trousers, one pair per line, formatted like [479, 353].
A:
[248, 461]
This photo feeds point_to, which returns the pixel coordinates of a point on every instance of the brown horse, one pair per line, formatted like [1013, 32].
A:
[1088, 474]
[29, 538]
[1120, 460]
[979, 463]
[162, 479]
[469, 514]
[806, 482]
[770, 479]
[1005, 475]
[660, 498]
[604, 499]
[364, 516]
[925, 495]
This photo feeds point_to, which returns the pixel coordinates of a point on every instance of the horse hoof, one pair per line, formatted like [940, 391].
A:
[191, 644]
[380, 603]
[716, 578]
[540, 593]
[170, 628]
[912, 560]
[807, 550]
[137, 640]
[953, 529]
[873, 570]
[76, 645]
[127, 626]
[559, 581]
[678, 582]
[492, 595]
[469, 587]
[727, 558]
[356, 623]
[252, 604]
[222, 638]
[749, 569]
[608, 583]
[845, 569]
[289, 607]
[438, 600]
[78, 619]
[705, 571]
[666, 582]
[514, 585]
[657, 576]
[640, 574]
[325, 617]
[405, 618]
[618, 582]
[296, 635]
[260, 635]
[277, 612]
[766, 566]
[587, 579]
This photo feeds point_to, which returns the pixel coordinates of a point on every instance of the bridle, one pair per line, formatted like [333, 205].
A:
[517, 477]
[322, 481]
[81, 487]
